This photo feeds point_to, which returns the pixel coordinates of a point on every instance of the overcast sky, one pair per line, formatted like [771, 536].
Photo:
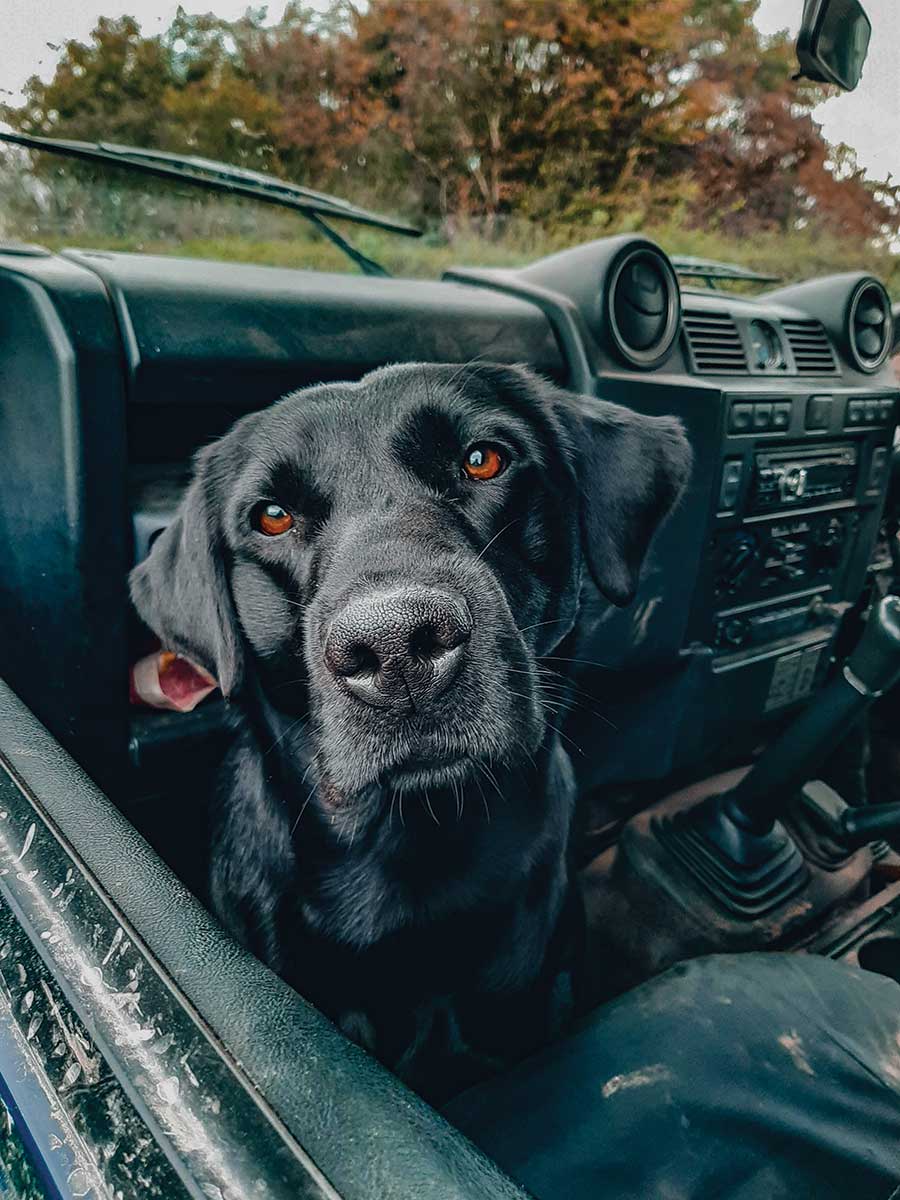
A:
[867, 119]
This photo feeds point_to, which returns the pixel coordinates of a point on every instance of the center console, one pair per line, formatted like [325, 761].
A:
[798, 503]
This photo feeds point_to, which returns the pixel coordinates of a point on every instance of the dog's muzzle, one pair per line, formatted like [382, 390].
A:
[399, 649]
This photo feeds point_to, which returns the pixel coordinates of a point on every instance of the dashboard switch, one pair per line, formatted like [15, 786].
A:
[731, 483]
[762, 416]
[781, 414]
[741, 418]
[818, 412]
[856, 412]
[878, 466]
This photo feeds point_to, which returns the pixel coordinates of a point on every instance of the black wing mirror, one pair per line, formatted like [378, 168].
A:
[833, 42]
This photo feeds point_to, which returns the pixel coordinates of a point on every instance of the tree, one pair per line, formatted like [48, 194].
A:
[112, 88]
[603, 112]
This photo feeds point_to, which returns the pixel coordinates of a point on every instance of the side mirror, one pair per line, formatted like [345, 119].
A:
[833, 42]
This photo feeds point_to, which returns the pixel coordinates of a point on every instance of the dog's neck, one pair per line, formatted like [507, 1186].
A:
[389, 857]
[400, 859]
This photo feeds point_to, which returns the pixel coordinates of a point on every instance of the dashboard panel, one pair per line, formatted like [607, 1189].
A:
[125, 364]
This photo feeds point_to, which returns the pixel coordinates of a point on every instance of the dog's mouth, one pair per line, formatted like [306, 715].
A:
[423, 773]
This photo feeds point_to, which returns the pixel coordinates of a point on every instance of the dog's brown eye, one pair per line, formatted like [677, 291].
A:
[484, 461]
[272, 519]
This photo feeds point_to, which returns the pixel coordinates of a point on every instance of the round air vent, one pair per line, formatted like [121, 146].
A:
[870, 326]
[643, 306]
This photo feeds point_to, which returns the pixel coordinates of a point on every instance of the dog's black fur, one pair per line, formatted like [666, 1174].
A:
[392, 831]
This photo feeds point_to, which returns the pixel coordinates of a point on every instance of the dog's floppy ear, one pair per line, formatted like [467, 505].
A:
[181, 589]
[632, 470]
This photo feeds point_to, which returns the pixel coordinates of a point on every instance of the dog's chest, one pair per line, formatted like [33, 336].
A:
[433, 1014]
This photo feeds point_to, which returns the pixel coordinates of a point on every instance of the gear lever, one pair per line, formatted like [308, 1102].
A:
[733, 843]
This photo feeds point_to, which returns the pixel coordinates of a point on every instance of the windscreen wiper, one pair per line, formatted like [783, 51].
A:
[689, 267]
[238, 181]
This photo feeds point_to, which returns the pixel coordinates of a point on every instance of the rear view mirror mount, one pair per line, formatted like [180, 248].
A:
[833, 42]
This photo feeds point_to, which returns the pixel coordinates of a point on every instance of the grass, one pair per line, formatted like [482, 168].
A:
[799, 255]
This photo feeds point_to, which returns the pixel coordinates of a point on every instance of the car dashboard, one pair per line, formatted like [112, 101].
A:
[115, 368]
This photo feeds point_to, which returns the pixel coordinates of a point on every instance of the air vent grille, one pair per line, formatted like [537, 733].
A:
[871, 329]
[811, 348]
[715, 343]
[643, 306]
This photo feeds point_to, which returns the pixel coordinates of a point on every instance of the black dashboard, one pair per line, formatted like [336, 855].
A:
[114, 368]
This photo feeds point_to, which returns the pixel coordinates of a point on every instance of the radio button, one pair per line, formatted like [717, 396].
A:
[878, 466]
[762, 416]
[741, 418]
[781, 415]
[856, 412]
[887, 411]
[873, 412]
[818, 412]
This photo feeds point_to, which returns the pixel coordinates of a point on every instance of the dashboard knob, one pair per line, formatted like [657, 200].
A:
[738, 556]
[735, 631]
[792, 484]
[828, 542]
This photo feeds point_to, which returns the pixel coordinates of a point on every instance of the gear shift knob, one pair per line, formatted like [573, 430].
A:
[733, 842]
[794, 757]
[874, 666]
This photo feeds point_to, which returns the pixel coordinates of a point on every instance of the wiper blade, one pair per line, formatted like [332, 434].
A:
[689, 267]
[223, 177]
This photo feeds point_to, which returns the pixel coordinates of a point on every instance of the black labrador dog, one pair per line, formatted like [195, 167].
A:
[373, 572]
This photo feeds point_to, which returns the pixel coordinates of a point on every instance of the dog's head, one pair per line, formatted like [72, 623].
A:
[394, 555]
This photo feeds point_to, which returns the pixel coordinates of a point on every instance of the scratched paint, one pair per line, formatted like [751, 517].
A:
[80, 958]
[115, 1156]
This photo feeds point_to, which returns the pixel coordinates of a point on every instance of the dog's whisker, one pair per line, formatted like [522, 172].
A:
[540, 624]
[487, 807]
[587, 662]
[488, 774]
[508, 525]
[571, 700]
[302, 811]
[293, 725]
[305, 775]
[566, 737]
[431, 810]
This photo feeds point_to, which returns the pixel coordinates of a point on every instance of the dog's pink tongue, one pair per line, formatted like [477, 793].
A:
[166, 680]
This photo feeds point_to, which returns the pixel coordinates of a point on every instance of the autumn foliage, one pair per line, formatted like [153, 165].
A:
[589, 111]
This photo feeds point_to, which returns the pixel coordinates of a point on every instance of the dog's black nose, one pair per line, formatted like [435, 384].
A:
[397, 648]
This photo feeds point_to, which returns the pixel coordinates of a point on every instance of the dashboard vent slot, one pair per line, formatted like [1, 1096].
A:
[811, 348]
[715, 343]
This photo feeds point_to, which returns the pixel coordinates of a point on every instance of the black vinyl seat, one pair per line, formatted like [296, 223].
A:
[750, 1077]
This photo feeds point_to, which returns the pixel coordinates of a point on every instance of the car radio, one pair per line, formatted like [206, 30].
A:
[796, 517]
[802, 477]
